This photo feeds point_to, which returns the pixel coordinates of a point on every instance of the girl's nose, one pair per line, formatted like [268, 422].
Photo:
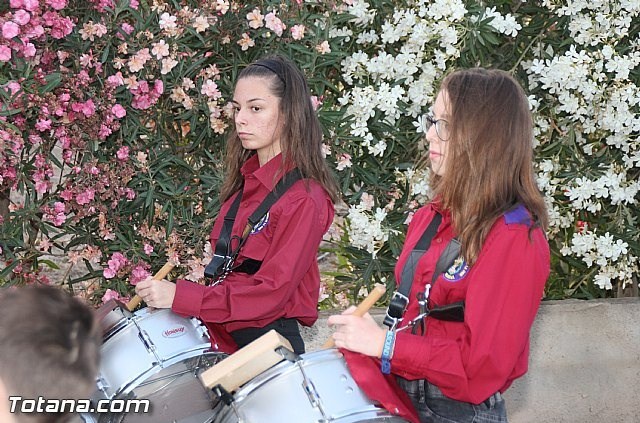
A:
[239, 116]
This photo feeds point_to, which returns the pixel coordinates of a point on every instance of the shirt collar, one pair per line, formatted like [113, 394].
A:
[437, 206]
[264, 174]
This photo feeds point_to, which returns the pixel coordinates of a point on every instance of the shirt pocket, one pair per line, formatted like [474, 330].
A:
[257, 244]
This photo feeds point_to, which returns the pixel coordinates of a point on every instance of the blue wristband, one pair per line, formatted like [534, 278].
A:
[387, 352]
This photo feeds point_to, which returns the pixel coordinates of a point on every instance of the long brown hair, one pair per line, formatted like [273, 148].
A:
[301, 137]
[489, 156]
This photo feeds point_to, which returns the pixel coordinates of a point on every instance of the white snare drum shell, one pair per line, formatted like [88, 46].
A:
[319, 388]
[148, 342]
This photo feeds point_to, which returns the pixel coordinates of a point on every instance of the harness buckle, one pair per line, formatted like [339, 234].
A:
[396, 309]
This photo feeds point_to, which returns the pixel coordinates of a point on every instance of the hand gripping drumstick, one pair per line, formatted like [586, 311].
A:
[164, 271]
[377, 292]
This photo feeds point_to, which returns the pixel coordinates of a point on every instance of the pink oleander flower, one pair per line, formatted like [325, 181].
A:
[115, 263]
[104, 131]
[255, 19]
[34, 31]
[85, 197]
[326, 150]
[110, 294]
[57, 4]
[137, 62]
[44, 244]
[167, 65]
[245, 42]
[10, 30]
[130, 194]
[200, 24]
[323, 47]
[123, 153]
[116, 80]
[316, 102]
[344, 161]
[147, 248]
[127, 28]
[42, 186]
[160, 49]
[5, 54]
[56, 216]
[60, 27]
[222, 6]
[66, 194]
[88, 108]
[16, 4]
[14, 87]
[297, 32]
[43, 125]
[138, 273]
[21, 17]
[30, 5]
[143, 97]
[274, 23]
[210, 89]
[118, 111]
[167, 21]
[29, 50]
[134, 4]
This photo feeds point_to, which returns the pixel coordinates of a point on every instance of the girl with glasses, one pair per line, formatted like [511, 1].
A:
[464, 336]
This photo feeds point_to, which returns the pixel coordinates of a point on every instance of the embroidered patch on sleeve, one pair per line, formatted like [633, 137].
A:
[262, 223]
[457, 271]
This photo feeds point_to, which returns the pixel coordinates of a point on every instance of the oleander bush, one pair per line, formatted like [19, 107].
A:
[114, 114]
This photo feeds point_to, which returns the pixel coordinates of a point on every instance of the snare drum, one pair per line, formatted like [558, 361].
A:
[157, 355]
[316, 388]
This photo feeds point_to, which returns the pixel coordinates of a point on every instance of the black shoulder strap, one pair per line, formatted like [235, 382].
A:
[281, 187]
[400, 299]
[446, 259]
[221, 252]
[223, 256]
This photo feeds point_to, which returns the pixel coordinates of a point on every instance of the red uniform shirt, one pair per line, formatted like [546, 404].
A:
[471, 360]
[286, 242]
[502, 291]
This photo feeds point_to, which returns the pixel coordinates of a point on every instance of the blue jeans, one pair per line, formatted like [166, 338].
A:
[434, 407]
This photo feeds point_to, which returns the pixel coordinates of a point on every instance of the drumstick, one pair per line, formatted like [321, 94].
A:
[363, 307]
[164, 271]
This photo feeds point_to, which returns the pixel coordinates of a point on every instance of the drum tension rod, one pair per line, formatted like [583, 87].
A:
[287, 354]
[223, 394]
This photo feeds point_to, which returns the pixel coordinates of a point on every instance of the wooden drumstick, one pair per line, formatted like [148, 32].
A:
[164, 271]
[377, 292]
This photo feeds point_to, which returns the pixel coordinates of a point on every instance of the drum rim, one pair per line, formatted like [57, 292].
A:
[271, 373]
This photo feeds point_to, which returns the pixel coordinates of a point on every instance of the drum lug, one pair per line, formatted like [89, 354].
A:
[149, 345]
[102, 384]
[201, 329]
[312, 392]
[288, 355]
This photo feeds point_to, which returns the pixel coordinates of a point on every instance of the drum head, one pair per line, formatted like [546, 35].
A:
[175, 394]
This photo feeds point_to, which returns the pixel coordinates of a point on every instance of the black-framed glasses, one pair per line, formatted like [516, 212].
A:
[442, 126]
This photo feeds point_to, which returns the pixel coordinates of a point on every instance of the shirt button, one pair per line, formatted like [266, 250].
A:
[438, 240]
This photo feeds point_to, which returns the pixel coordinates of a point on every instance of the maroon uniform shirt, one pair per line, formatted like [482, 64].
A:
[471, 360]
[286, 241]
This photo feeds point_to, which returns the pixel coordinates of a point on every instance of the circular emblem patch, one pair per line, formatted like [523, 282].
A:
[457, 271]
[261, 224]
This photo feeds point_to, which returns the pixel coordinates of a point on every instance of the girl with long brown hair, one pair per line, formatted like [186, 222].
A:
[473, 268]
[269, 276]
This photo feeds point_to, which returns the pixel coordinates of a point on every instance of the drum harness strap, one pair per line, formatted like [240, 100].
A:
[224, 256]
[400, 300]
